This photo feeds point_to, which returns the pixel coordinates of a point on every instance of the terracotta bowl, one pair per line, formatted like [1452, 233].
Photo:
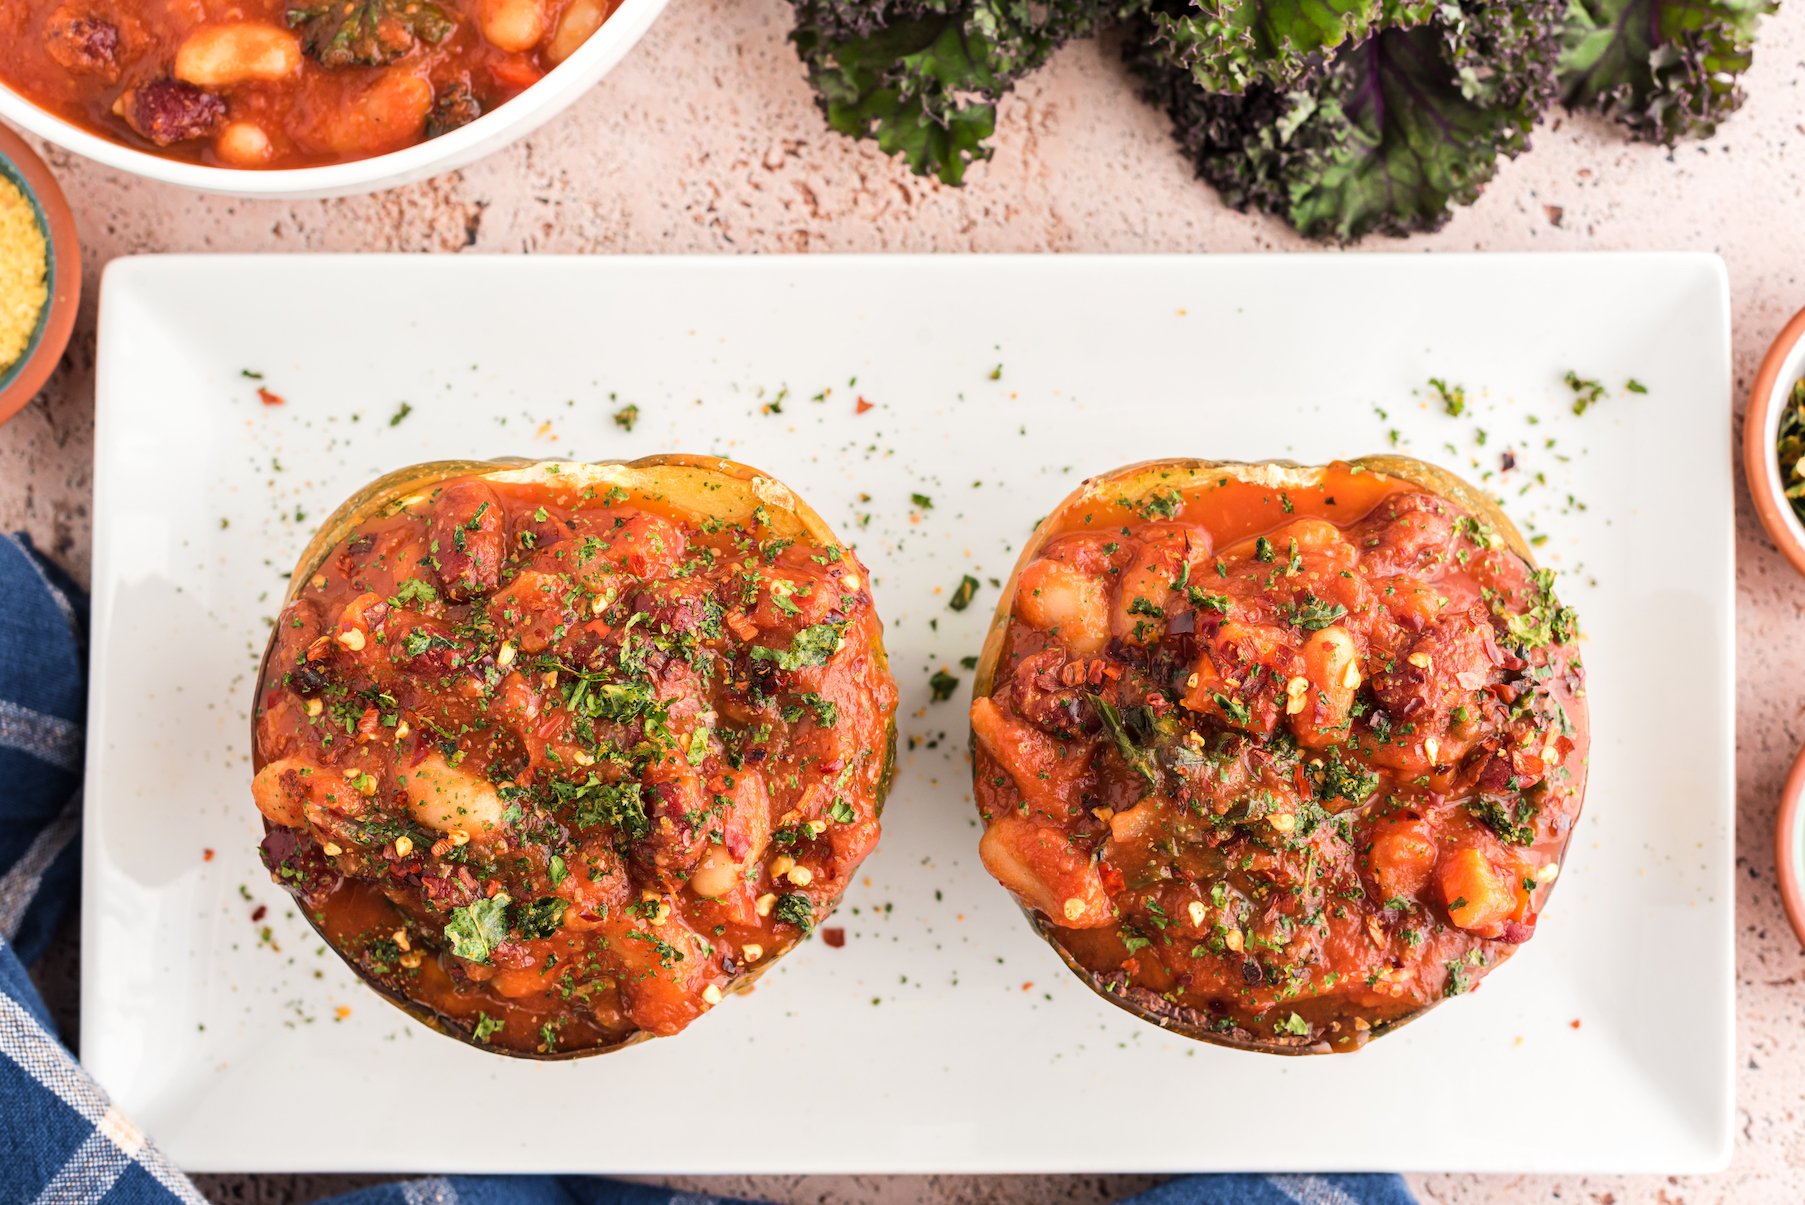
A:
[1789, 846]
[1783, 365]
[20, 382]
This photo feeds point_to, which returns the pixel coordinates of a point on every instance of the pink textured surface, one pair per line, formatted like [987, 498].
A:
[706, 141]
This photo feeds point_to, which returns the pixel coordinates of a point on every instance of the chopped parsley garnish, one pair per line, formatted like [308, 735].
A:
[413, 590]
[617, 805]
[795, 908]
[1207, 602]
[1453, 397]
[1232, 707]
[811, 646]
[1544, 622]
[1313, 614]
[1336, 778]
[595, 696]
[1458, 981]
[942, 685]
[541, 918]
[1586, 392]
[1515, 824]
[964, 593]
[1162, 504]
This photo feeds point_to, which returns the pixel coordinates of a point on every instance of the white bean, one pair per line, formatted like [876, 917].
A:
[1055, 597]
[580, 20]
[243, 144]
[512, 25]
[218, 56]
[445, 798]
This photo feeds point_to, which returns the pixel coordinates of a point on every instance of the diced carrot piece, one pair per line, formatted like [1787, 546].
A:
[1403, 857]
[1479, 897]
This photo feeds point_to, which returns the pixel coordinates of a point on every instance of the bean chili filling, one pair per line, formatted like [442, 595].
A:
[1283, 763]
[560, 762]
[283, 83]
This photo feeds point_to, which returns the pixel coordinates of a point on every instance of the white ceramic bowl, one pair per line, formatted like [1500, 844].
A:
[494, 130]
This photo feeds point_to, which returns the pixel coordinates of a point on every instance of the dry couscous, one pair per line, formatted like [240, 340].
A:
[24, 272]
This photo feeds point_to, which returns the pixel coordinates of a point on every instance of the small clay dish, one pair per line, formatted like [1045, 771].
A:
[21, 380]
[1783, 365]
[1789, 846]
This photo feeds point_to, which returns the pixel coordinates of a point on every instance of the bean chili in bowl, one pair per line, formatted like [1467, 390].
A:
[280, 84]
[1279, 757]
[557, 755]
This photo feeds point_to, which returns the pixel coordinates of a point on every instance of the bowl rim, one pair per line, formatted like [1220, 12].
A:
[543, 99]
[1760, 424]
[1789, 846]
[20, 382]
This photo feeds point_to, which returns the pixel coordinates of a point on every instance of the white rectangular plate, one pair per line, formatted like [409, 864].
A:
[943, 1036]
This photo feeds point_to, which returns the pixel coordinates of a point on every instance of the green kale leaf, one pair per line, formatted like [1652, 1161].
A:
[1664, 69]
[1140, 759]
[476, 929]
[1227, 46]
[1387, 136]
[367, 33]
[922, 77]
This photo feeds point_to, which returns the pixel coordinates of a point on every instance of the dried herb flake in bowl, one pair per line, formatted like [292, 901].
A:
[1789, 446]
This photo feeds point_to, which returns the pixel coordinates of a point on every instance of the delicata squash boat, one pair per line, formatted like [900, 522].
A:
[555, 755]
[1279, 757]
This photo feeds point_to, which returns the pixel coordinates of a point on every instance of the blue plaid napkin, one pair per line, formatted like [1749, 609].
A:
[61, 1138]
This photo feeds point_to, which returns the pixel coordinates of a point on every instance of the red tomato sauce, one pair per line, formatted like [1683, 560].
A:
[1282, 766]
[282, 83]
[559, 767]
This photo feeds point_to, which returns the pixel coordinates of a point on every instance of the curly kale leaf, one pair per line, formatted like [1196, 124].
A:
[477, 928]
[1231, 45]
[367, 33]
[1389, 135]
[922, 77]
[1665, 69]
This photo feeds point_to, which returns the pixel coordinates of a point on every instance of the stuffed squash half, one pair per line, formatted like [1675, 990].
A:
[557, 754]
[1279, 757]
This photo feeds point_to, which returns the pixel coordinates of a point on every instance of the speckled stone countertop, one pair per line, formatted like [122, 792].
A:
[706, 140]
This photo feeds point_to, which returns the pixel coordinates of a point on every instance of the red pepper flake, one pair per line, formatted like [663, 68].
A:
[261, 912]
[1028, 985]
[860, 406]
[270, 399]
[206, 855]
[834, 936]
[1574, 1023]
